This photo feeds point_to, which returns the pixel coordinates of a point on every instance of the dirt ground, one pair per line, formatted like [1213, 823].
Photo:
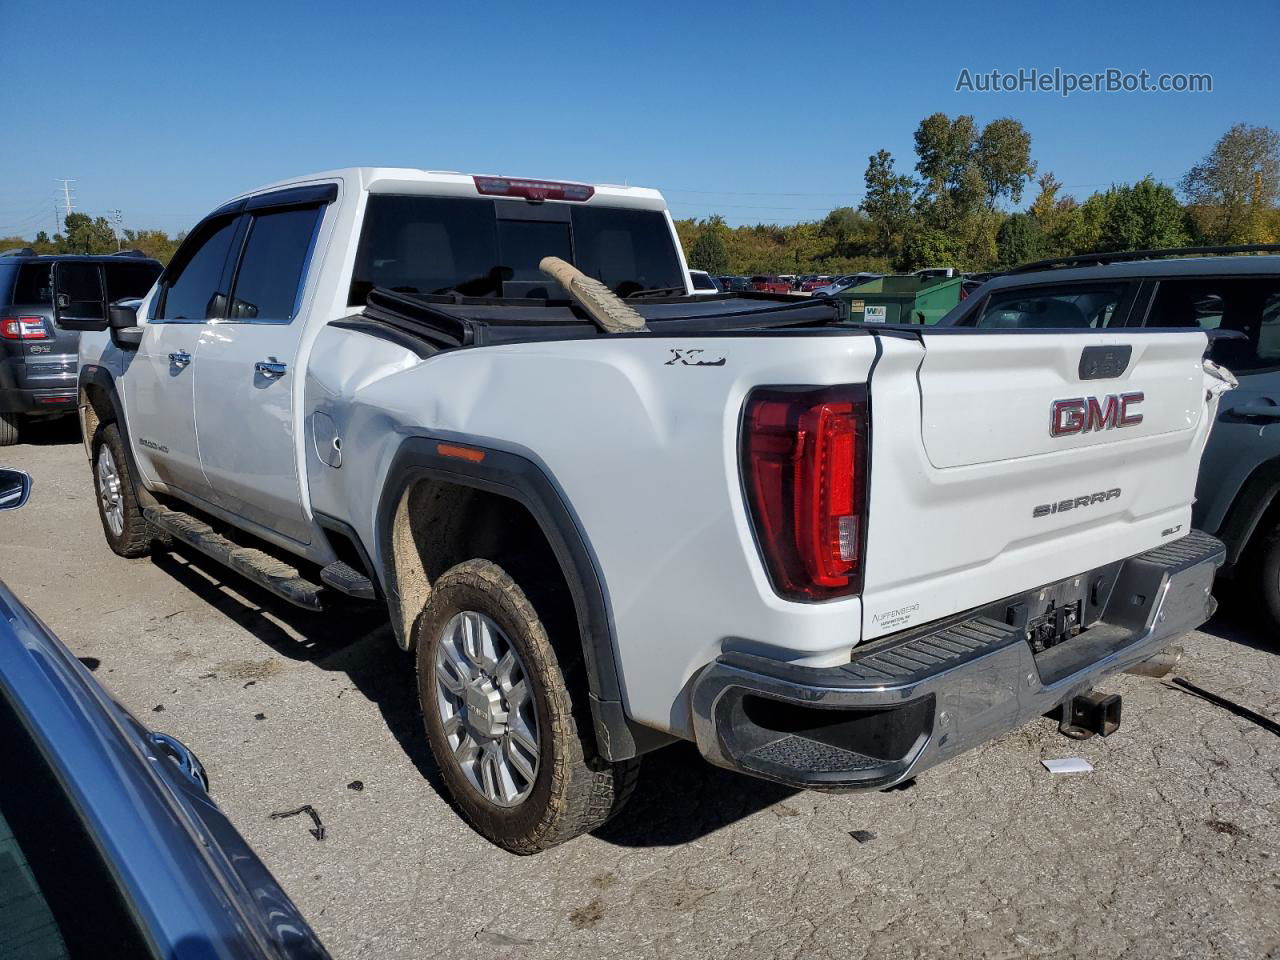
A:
[1170, 847]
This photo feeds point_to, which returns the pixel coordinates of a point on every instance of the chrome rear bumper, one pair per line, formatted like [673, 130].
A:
[908, 702]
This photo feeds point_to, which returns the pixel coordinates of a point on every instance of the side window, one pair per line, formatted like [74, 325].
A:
[80, 289]
[58, 899]
[27, 925]
[1055, 308]
[1248, 306]
[126, 280]
[1269, 331]
[192, 288]
[270, 274]
[34, 287]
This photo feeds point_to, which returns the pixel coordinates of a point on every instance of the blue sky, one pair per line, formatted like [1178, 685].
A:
[760, 112]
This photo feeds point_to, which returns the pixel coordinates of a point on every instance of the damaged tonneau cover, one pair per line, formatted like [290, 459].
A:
[447, 322]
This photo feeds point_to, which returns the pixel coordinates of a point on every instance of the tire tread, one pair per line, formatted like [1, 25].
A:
[584, 792]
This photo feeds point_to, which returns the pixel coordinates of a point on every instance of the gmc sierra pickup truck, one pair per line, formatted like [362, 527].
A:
[606, 514]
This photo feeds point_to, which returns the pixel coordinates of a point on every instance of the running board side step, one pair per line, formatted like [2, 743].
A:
[259, 566]
[347, 579]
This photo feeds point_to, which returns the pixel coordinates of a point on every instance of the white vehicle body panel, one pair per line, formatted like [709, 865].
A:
[246, 426]
[652, 476]
[160, 390]
[949, 538]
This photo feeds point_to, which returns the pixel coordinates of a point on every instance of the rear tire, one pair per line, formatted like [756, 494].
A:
[499, 716]
[8, 429]
[1268, 580]
[127, 531]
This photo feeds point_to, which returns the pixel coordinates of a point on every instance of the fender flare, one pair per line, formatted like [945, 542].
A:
[528, 483]
[1248, 508]
[93, 374]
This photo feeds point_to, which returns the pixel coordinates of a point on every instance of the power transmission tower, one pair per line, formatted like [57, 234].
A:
[66, 201]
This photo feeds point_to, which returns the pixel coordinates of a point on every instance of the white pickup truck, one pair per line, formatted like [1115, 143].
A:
[831, 555]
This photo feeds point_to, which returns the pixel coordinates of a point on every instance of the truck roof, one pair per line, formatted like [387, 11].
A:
[409, 180]
[1227, 266]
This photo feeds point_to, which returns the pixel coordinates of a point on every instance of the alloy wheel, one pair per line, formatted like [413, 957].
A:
[486, 708]
[110, 498]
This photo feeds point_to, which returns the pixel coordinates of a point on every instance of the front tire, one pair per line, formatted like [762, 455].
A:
[127, 531]
[499, 716]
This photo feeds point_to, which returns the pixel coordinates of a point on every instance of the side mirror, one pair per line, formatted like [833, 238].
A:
[123, 322]
[123, 313]
[15, 488]
[77, 297]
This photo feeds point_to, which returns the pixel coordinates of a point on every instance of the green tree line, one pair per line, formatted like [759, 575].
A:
[960, 208]
[957, 208]
[82, 233]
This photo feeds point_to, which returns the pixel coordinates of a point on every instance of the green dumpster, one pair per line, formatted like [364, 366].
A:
[900, 299]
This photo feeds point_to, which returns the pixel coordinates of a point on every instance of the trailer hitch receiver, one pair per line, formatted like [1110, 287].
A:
[1087, 714]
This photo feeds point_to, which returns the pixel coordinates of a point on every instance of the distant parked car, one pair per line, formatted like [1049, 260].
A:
[810, 284]
[734, 284]
[973, 281]
[844, 283]
[109, 843]
[704, 285]
[37, 356]
[767, 284]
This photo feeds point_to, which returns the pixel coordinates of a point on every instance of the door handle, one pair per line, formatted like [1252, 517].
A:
[1263, 409]
[180, 358]
[271, 368]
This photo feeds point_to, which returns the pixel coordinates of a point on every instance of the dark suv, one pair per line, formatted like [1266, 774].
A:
[1235, 300]
[37, 357]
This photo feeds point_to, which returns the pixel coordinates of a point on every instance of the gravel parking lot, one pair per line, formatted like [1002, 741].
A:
[1171, 847]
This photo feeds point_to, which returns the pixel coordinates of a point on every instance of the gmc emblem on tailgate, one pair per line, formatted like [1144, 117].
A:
[1087, 414]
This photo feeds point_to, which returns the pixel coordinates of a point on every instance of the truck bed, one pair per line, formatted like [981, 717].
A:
[447, 322]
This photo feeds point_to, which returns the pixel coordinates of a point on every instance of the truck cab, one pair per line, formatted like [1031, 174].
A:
[229, 326]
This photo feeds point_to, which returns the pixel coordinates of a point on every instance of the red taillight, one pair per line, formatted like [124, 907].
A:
[23, 328]
[533, 189]
[804, 455]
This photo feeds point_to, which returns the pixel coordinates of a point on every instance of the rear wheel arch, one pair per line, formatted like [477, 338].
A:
[437, 510]
[1254, 513]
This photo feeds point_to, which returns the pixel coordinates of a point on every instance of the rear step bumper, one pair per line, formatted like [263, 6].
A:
[918, 698]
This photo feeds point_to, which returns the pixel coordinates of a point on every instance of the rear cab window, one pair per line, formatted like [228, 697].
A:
[1090, 306]
[491, 248]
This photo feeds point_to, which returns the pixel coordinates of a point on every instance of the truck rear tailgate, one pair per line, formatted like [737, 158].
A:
[1005, 461]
